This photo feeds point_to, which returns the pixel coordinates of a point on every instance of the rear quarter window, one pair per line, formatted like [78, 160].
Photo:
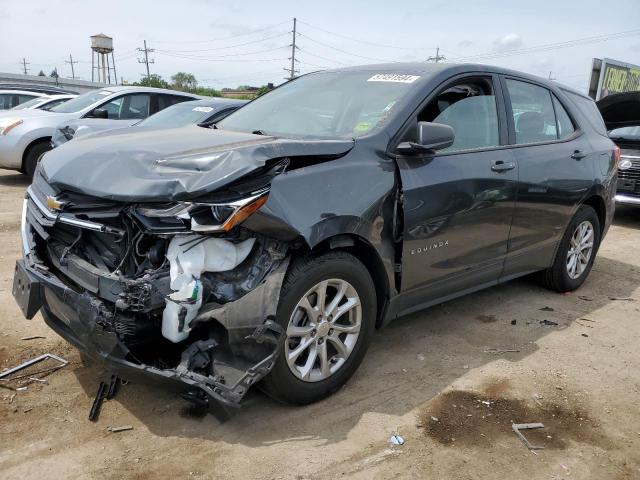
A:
[589, 110]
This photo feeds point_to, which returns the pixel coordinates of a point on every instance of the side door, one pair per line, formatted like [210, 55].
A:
[128, 108]
[164, 100]
[458, 203]
[555, 172]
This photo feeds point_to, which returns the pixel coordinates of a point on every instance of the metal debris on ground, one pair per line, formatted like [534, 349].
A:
[516, 427]
[623, 299]
[546, 309]
[94, 413]
[120, 429]
[33, 337]
[61, 363]
[499, 351]
[105, 392]
[583, 325]
[39, 380]
[585, 298]
[548, 323]
[514, 321]
[396, 440]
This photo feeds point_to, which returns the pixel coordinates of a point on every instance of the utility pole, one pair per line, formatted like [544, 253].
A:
[71, 62]
[550, 76]
[146, 60]
[437, 58]
[292, 71]
[24, 65]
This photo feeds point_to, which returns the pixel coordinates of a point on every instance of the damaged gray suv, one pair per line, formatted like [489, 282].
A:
[267, 248]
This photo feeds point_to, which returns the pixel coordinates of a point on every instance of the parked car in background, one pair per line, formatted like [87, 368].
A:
[621, 114]
[25, 136]
[199, 112]
[267, 249]
[14, 94]
[46, 102]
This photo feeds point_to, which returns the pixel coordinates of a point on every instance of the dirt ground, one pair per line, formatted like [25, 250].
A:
[440, 378]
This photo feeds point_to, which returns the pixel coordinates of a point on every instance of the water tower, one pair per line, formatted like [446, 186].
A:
[101, 47]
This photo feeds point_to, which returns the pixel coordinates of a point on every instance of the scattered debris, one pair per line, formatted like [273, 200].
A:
[623, 299]
[21, 389]
[585, 335]
[26, 410]
[120, 429]
[94, 413]
[435, 419]
[587, 320]
[523, 426]
[547, 309]
[396, 440]
[33, 337]
[12, 397]
[466, 367]
[62, 362]
[514, 321]
[583, 325]
[39, 380]
[421, 357]
[548, 323]
[585, 298]
[537, 398]
[487, 318]
[500, 351]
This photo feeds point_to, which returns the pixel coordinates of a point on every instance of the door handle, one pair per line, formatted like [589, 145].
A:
[500, 166]
[578, 155]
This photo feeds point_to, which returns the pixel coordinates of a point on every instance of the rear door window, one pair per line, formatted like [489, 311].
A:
[565, 125]
[165, 101]
[533, 115]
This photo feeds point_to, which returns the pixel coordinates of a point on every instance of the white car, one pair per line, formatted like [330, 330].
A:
[25, 135]
[46, 102]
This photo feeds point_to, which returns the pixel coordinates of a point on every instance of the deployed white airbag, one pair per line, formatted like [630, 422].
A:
[189, 257]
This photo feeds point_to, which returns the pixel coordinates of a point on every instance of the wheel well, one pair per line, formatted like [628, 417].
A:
[597, 203]
[367, 254]
[33, 144]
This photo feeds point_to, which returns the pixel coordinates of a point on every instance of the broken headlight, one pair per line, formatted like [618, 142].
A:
[209, 217]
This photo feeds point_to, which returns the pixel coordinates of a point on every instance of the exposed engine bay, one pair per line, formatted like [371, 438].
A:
[180, 287]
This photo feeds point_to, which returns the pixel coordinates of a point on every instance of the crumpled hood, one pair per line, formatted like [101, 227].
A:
[166, 165]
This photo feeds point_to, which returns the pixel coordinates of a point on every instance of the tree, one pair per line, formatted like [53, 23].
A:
[184, 81]
[54, 73]
[41, 74]
[153, 80]
[264, 89]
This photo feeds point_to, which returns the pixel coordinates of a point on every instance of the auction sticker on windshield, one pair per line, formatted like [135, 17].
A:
[393, 77]
[203, 109]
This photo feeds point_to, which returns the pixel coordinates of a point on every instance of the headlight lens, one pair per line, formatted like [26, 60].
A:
[68, 132]
[7, 124]
[209, 217]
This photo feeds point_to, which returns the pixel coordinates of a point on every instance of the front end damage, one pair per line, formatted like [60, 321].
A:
[176, 292]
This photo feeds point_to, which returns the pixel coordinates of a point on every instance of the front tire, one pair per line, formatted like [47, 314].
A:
[33, 157]
[576, 253]
[328, 310]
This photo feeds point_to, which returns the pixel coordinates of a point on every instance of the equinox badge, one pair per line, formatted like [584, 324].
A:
[430, 246]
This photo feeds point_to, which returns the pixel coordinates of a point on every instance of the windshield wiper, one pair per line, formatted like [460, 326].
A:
[259, 132]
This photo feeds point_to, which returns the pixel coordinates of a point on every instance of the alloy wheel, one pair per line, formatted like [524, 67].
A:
[323, 330]
[580, 249]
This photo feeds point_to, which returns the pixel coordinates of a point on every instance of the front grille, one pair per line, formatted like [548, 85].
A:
[629, 179]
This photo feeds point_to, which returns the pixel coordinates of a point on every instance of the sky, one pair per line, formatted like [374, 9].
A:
[230, 43]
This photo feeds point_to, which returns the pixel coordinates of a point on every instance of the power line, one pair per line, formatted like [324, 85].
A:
[344, 51]
[199, 57]
[228, 46]
[552, 46]
[146, 60]
[225, 38]
[364, 41]
[188, 57]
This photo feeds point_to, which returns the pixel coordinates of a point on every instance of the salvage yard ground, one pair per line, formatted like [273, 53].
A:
[449, 380]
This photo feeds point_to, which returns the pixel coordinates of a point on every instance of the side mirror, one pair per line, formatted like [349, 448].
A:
[99, 113]
[430, 137]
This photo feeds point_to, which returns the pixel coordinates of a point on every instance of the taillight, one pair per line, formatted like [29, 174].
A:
[616, 156]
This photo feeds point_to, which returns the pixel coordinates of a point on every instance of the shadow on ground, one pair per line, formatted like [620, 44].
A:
[409, 363]
[14, 180]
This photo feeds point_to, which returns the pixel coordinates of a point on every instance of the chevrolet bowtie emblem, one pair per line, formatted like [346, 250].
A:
[54, 204]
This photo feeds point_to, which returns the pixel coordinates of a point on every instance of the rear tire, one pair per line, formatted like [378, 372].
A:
[576, 252]
[33, 156]
[337, 337]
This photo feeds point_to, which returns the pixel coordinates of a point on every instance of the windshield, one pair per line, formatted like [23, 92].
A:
[324, 105]
[82, 101]
[626, 132]
[178, 116]
[30, 103]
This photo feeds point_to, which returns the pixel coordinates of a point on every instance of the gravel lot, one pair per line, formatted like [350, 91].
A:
[435, 378]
